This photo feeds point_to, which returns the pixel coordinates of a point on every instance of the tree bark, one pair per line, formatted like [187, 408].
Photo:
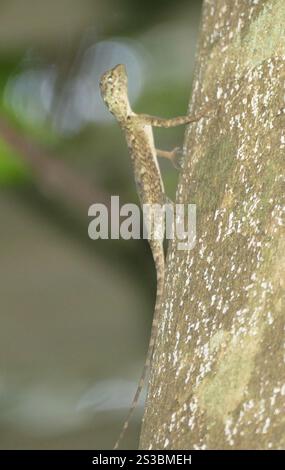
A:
[218, 374]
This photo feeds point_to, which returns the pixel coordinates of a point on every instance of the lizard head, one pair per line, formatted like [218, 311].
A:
[114, 91]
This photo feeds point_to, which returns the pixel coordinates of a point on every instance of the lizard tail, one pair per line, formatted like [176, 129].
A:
[158, 256]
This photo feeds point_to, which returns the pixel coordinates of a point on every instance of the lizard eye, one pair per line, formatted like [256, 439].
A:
[110, 79]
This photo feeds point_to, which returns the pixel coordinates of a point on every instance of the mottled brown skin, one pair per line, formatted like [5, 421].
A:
[139, 136]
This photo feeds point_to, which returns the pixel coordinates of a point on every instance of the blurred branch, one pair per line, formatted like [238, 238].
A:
[53, 178]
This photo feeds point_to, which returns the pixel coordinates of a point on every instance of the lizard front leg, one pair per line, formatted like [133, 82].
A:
[172, 122]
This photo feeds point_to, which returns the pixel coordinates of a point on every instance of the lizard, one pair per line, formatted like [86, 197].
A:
[139, 136]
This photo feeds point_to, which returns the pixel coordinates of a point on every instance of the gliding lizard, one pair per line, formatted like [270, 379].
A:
[138, 132]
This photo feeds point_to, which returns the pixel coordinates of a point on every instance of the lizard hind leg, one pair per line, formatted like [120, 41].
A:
[175, 156]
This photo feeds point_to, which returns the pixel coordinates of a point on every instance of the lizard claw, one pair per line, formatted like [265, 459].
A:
[178, 158]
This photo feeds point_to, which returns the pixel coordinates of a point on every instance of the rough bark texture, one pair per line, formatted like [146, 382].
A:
[218, 377]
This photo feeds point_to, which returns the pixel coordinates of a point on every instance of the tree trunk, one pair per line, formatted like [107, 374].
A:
[218, 374]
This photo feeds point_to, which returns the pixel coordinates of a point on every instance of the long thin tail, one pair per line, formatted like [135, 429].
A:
[158, 256]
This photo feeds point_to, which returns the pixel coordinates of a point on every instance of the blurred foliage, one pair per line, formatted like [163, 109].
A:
[12, 170]
[75, 309]
[90, 143]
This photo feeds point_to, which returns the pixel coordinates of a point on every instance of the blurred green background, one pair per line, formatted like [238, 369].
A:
[76, 313]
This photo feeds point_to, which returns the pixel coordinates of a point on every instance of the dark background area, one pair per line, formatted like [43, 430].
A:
[76, 313]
